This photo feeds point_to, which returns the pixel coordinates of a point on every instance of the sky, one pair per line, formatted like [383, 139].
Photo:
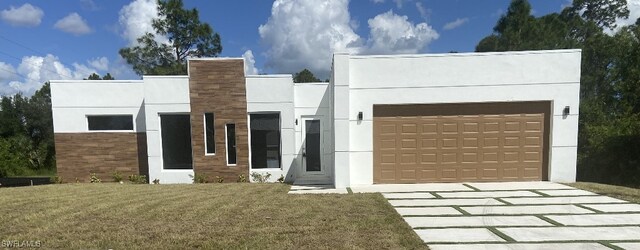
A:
[43, 40]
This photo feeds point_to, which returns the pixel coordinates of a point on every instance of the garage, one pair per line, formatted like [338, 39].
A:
[421, 143]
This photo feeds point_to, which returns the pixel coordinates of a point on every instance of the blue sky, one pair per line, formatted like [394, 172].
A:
[69, 39]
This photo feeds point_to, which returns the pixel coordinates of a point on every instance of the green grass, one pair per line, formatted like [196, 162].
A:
[624, 193]
[230, 216]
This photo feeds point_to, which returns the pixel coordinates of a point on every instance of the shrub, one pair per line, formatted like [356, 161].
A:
[260, 178]
[199, 178]
[156, 181]
[138, 179]
[93, 178]
[242, 178]
[281, 179]
[117, 176]
[219, 179]
[56, 179]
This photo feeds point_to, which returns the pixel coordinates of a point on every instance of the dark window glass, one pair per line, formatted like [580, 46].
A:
[176, 141]
[265, 140]
[209, 133]
[312, 145]
[110, 122]
[231, 144]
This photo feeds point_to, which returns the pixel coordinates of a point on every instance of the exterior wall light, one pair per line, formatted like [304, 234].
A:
[360, 116]
[566, 111]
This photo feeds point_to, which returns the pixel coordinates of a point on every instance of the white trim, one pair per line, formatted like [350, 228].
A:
[133, 121]
[204, 117]
[226, 144]
[249, 133]
[323, 171]
[525, 52]
[270, 76]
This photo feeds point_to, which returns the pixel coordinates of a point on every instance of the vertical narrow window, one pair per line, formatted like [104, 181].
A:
[231, 144]
[265, 140]
[209, 134]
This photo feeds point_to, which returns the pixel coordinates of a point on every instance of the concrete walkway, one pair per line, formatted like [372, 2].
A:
[522, 215]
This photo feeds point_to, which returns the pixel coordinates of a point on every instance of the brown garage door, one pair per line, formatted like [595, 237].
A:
[460, 142]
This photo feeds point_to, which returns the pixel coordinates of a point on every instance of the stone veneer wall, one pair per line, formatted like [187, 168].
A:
[79, 154]
[218, 86]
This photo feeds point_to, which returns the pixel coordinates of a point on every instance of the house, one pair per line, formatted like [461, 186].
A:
[459, 117]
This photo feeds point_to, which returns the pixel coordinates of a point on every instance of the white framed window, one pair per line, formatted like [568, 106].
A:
[265, 140]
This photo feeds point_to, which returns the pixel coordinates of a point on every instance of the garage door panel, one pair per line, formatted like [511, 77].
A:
[478, 144]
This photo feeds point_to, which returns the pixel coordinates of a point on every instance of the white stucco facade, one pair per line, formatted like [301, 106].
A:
[363, 81]
[357, 84]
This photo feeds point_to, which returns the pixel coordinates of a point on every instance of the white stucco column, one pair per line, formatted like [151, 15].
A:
[340, 86]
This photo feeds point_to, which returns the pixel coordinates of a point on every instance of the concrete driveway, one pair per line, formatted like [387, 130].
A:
[518, 215]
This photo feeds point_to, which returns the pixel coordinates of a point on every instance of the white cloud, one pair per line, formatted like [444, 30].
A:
[73, 24]
[391, 33]
[424, 12]
[634, 13]
[100, 63]
[89, 5]
[377, 1]
[33, 71]
[7, 72]
[136, 20]
[304, 34]
[455, 24]
[400, 3]
[26, 15]
[249, 63]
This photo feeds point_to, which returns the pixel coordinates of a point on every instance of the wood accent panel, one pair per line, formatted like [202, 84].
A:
[461, 142]
[79, 154]
[218, 86]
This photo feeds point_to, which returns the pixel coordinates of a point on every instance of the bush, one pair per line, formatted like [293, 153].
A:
[242, 178]
[156, 181]
[219, 179]
[199, 178]
[56, 179]
[281, 179]
[138, 179]
[117, 176]
[94, 179]
[260, 178]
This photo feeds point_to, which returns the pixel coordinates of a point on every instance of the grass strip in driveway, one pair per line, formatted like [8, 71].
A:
[624, 193]
[234, 215]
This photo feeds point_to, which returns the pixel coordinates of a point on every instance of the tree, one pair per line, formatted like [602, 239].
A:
[187, 37]
[305, 76]
[609, 124]
[108, 77]
[95, 76]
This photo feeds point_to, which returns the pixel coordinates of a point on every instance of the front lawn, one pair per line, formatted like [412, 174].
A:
[234, 215]
[624, 193]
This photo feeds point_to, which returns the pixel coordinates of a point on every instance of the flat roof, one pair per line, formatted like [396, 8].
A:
[524, 52]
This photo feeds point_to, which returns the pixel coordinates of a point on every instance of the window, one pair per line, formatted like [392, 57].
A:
[265, 140]
[176, 141]
[209, 134]
[110, 122]
[231, 143]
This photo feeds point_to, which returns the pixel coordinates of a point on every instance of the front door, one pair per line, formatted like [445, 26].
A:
[312, 147]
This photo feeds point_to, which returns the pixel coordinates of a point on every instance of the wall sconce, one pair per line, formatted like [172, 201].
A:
[360, 116]
[296, 121]
[565, 111]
